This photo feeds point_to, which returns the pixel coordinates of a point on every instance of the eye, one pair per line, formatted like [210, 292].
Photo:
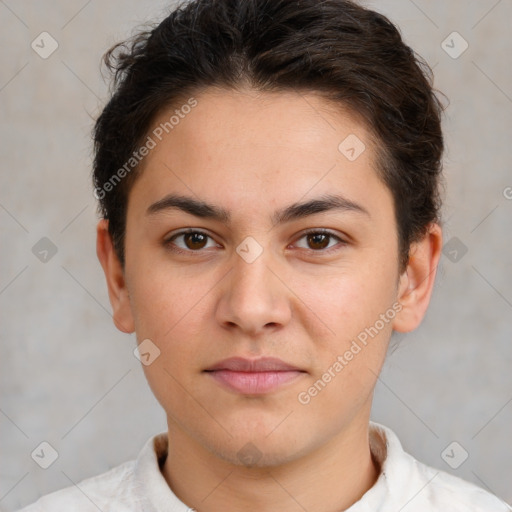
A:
[318, 240]
[193, 241]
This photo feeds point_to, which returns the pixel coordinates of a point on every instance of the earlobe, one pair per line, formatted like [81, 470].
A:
[115, 278]
[417, 282]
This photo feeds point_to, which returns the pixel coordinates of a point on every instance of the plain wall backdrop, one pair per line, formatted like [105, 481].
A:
[69, 378]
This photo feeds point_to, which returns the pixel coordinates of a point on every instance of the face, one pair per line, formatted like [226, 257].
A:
[256, 275]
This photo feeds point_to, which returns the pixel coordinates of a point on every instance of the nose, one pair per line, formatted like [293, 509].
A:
[254, 298]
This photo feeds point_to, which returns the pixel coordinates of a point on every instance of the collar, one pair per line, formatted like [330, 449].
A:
[385, 448]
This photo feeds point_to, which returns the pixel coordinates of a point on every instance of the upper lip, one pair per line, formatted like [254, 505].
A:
[263, 364]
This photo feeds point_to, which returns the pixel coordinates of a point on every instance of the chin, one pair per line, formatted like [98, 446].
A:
[257, 456]
[260, 447]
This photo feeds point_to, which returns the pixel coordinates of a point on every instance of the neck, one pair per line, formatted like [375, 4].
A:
[329, 479]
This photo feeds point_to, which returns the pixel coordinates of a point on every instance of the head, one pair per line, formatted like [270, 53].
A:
[224, 118]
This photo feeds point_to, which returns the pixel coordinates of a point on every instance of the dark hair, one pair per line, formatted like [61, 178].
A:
[337, 48]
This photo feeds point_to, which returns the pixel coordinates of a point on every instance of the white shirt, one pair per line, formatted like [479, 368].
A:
[404, 484]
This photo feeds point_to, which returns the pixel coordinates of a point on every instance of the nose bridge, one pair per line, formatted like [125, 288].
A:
[251, 273]
[254, 297]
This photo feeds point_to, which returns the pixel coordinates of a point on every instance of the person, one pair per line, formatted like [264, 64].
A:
[268, 175]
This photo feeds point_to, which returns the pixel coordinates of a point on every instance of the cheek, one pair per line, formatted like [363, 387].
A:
[172, 307]
[164, 298]
[358, 309]
[348, 300]
[169, 311]
[347, 363]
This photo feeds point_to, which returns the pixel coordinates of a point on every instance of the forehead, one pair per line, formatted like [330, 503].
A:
[260, 149]
[227, 118]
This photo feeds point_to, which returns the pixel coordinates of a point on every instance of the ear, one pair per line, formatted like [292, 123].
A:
[114, 274]
[417, 282]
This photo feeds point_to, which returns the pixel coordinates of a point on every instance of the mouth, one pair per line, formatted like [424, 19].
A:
[253, 377]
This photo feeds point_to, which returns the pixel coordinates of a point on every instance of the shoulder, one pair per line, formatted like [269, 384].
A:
[413, 485]
[121, 489]
[112, 490]
[444, 491]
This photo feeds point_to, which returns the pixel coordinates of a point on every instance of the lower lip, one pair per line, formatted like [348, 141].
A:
[254, 382]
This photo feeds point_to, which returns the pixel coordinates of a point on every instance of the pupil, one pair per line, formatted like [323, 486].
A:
[316, 239]
[195, 238]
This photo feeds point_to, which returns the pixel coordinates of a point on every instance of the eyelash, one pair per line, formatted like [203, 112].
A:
[319, 231]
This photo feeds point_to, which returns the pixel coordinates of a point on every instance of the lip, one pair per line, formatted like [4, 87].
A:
[263, 364]
[253, 376]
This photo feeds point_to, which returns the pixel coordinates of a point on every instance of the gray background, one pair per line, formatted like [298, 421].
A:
[69, 377]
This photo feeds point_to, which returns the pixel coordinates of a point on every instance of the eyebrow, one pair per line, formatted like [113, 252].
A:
[295, 211]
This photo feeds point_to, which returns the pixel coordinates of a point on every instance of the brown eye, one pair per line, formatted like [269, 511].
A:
[321, 241]
[189, 241]
[195, 240]
[318, 240]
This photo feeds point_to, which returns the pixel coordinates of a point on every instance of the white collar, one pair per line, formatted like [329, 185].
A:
[384, 446]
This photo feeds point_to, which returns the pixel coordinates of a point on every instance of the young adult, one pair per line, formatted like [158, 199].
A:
[268, 177]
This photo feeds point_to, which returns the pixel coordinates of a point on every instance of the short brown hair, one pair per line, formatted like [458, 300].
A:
[348, 53]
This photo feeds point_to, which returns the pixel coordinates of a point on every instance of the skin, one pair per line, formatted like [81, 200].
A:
[301, 301]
